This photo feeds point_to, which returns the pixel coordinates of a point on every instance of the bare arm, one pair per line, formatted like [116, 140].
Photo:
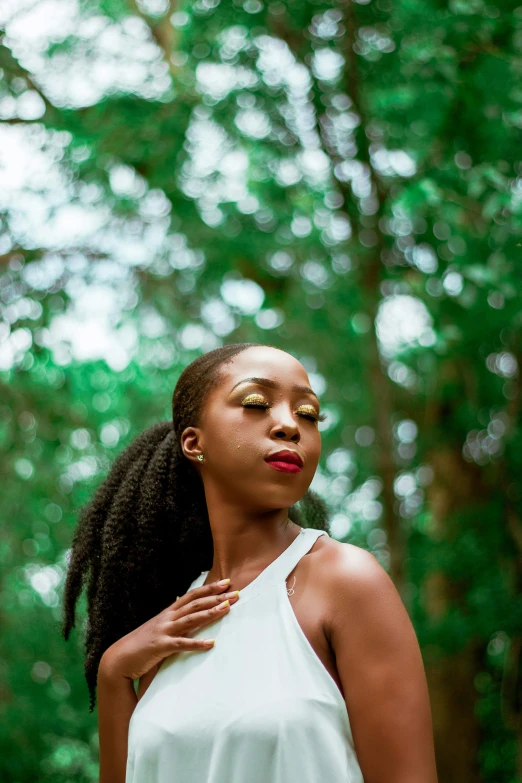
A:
[381, 670]
[116, 703]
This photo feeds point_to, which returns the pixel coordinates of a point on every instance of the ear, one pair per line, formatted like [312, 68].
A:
[190, 444]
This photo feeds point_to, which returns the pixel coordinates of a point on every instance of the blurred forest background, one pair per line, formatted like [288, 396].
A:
[340, 179]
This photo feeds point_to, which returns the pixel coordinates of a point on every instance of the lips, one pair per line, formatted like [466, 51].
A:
[285, 457]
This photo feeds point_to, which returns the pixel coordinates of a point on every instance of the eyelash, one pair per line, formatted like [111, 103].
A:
[265, 405]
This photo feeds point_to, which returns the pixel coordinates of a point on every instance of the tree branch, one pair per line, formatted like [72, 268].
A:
[163, 33]
[10, 64]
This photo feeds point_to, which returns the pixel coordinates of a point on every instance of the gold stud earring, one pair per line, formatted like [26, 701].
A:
[200, 457]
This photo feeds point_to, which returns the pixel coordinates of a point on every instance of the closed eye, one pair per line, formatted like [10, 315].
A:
[310, 416]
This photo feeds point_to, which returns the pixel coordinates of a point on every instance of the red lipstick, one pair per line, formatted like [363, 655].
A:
[286, 460]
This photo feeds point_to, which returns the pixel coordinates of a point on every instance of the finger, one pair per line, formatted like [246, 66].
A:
[182, 644]
[188, 622]
[202, 604]
[205, 590]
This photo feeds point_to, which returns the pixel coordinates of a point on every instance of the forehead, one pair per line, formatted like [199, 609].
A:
[265, 362]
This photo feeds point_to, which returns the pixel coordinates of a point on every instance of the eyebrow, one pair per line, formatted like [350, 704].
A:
[274, 385]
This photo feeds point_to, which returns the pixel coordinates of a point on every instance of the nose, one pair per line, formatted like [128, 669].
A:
[285, 425]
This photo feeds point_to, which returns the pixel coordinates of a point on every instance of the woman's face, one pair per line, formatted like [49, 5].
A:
[236, 439]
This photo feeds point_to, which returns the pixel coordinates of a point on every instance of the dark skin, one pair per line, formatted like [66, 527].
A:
[344, 601]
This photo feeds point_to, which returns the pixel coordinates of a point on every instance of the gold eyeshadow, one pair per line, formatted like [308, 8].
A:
[253, 398]
[257, 400]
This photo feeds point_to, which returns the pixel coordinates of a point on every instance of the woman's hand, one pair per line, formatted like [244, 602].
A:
[135, 654]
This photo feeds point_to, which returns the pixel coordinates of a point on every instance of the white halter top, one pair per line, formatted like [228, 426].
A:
[257, 707]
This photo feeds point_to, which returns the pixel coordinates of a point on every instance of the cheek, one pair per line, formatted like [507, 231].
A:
[311, 443]
[234, 444]
[312, 458]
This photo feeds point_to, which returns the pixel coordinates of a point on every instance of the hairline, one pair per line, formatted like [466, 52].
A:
[274, 385]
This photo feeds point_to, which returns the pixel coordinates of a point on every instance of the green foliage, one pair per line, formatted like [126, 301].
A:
[340, 179]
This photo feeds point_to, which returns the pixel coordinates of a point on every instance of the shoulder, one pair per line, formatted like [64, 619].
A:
[347, 564]
[353, 582]
[365, 619]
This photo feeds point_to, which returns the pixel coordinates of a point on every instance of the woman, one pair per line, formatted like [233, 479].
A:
[313, 671]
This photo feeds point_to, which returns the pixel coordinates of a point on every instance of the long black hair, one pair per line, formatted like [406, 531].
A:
[145, 535]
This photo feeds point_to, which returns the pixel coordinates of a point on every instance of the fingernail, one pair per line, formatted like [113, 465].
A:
[223, 582]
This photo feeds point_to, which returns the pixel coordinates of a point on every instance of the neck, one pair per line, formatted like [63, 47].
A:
[243, 548]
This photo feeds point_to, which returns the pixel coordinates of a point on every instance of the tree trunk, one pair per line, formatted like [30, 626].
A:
[451, 676]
